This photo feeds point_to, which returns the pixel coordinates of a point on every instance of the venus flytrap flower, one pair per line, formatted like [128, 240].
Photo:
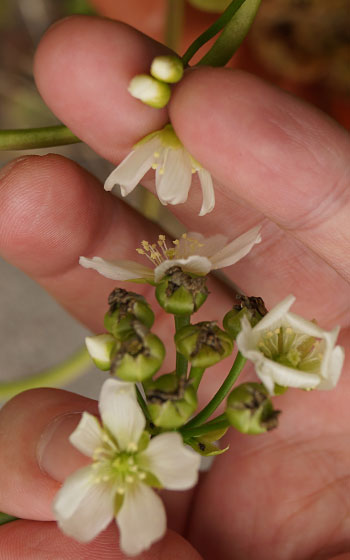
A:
[193, 253]
[125, 465]
[162, 150]
[290, 351]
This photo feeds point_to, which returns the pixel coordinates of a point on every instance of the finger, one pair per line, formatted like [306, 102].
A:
[37, 455]
[295, 168]
[39, 541]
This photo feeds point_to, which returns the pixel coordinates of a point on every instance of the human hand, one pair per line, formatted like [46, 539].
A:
[277, 162]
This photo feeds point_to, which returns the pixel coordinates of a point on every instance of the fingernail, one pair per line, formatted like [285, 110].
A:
[55, 454]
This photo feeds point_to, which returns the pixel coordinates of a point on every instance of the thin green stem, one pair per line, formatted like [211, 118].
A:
[195, 376]
[212, 30]
[5, 518]
[67, 371]
[32, 138]
[232, 36]
[205, 428]
[174, 23]
[143, 404]
[181, 362]
[219, 396]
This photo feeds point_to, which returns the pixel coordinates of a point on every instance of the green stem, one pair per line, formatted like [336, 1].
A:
[67, 371]
[196, 374]
[5, 518]
[212, 30]
[174, 23]
[32, 138]
[181, 362]
[205, 428]
[232, 36]
[143, 404]
[219, 396]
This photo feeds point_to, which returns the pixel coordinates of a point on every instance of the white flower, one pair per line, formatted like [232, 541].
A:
[162, 150]
[192, 252]
[291, 351]
[125, 464]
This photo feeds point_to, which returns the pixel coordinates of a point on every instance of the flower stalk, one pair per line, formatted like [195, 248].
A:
[181, 362]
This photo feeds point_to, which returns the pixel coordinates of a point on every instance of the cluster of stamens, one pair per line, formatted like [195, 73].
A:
[160, 252]
[293, 349]
[118, 467]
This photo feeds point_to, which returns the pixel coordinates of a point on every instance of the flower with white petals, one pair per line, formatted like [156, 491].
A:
[290, 351]
[192, 252]
[162, 150]
[126, 463]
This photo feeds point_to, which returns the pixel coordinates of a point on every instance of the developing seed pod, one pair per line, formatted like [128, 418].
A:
[203, 344]
[181, 293]
[249, 409]
[124, 308]
[251, 307]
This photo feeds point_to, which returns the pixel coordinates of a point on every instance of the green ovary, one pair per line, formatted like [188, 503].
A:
[292, 349]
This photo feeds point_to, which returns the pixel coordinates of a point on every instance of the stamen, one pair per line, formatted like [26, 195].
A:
[132, 446]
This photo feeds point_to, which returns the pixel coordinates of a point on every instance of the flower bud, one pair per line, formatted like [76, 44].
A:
[249, 409]
[170, 402]
[181, 293]
[150, 91]
[203, 344]
[126, 307]
[251, 307]
[139, 356]
[167, 68]
[101, 348]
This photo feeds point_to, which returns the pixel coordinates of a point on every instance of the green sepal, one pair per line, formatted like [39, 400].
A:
[143, 441]
[118, 502]
[205, 448]
[214, 435]
[152, 480]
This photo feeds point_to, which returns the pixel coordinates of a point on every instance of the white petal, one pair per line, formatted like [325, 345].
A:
[87, 435]
[275, 317]
[131, 170]
[118, 270]
[207, 190]
[208, 245]
[175, 465]
[121, 412]
[237, 249]
[83, 508]
[173, 185]
[335, 367]
[141, 520]
[286, 376]
[195, 264]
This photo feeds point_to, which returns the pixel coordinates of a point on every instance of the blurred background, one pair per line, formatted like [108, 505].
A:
[302, 46]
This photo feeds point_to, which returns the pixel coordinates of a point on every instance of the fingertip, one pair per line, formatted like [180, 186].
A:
[83, 66]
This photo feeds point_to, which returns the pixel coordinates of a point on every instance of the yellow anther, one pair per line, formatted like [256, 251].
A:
[140, 251]
[154, 165]
[132, 446]
[156, 154]
[161, 171]
[142, 475]
[120, 490]
[129, 479]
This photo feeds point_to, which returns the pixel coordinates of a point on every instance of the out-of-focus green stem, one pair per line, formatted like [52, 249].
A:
[174, 23]
[33, 138]
[5, 518]
[232, 36]
[67, 371]
[212, 30]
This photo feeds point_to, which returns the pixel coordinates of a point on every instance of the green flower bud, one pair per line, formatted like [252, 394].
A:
[251, 307]
[167, 68]
[203, 344]
[101, 348]
[170, 402]
[181, 293]
[249, 409]
[125, 308]
[139, 356]
[150, 91]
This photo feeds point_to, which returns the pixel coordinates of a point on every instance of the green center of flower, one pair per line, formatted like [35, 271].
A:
[292, 349]
[121, 468]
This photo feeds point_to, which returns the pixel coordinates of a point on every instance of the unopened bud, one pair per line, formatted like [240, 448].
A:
[251, 307]
[139, 356]
[249, 409]
[170, 401]
[101, 348]
[203, 344]
[150, 91]
[181, 293]
[125, 308]
[167, 68]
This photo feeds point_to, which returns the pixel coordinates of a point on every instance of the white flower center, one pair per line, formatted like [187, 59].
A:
[160, 252]
[118, 467]
[292, 349]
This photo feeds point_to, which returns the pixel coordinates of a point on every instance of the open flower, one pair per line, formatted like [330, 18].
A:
[192, 252]
[290, 351]
[126, 463]
[162, 150]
